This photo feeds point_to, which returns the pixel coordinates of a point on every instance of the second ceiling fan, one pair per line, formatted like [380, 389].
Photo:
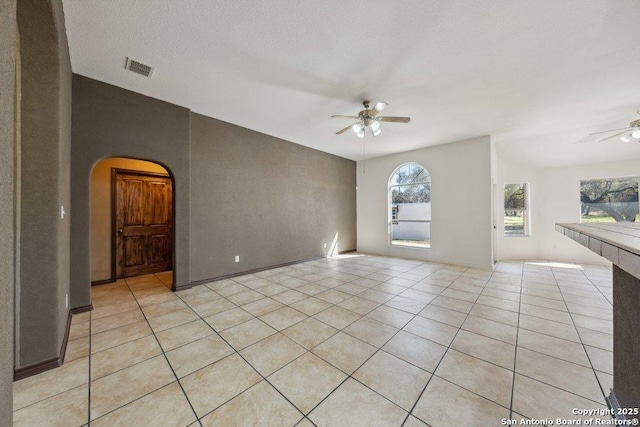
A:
[370, 118]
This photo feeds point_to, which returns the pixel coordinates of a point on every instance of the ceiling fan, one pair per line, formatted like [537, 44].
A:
[370, 118]
[633, 131]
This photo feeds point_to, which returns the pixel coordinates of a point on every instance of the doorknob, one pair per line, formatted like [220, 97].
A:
[120, 231]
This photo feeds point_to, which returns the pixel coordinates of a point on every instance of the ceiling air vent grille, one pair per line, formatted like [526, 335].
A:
[139, 67]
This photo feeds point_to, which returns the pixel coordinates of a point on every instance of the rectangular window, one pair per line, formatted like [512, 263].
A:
[609, 200]
[516, 210]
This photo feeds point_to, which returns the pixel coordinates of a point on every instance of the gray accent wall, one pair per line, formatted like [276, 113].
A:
[264, 199]
[7, 153]
[44, 181]
[109, 121]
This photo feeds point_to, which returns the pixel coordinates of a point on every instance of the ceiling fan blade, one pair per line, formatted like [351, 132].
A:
[345, 129]
[394, 119]
[610, 130]
[613, 136]
[346, 117]
[379, 107]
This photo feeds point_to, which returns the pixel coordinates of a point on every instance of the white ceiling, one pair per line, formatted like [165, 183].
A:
[537, 75]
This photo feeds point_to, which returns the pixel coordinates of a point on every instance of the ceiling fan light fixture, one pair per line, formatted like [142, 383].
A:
[374, 125]
[375, 132]
[360, 133]
[625, 138]
[636, 133]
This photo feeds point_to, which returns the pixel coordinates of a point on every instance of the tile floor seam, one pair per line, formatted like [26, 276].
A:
[515, 353]
[410, 413]
[581, 340]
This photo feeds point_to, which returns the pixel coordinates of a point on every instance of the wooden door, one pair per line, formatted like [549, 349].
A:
[143, 223]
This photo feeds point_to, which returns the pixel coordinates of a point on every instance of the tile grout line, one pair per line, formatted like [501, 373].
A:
[515, 353]
[580, 337]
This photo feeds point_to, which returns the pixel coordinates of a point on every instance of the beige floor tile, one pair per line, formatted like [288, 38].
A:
[391, 316]
[261, 405]
[606, 382]
[596, 339]
[262, 306]
[79, 330]
[156, 310]
[310, 332]
[549, 327]
[170, 320]
[306, 381]
[445, 404]
[311, 306]
[544, 302]
[586, 322]
[76, 349]
[65, 409]
[213, 307]
[491, 329]
[156, 299]
[460, 295]
[546, 313]
[39, 387]
[376, 296]
[556, 347]
[453, 304]
[406, 304]
[166, 406]
[495, 314]
[393, 378]
[490, 350]
[371, 331]
[122, 356]
[230, 288]
[228, 319]
[337, 317]
[214, 385]
[418, 351]
[414, 422]
[201, 298]
[559, 373]
[183, 334]
[443, 315]
[283, 318]
[272, 353]
[359, 305]
[602, 360]
[333, 296]
[245, 297]
[247, 333]
[115, 321]
[354, 404]
[483, 378]
[118, 389]
[198, 354]
[431, 330]
[117, 336]
[290, 296]
[500, 293]
[586, 310]
[534, 399]
[344, 352]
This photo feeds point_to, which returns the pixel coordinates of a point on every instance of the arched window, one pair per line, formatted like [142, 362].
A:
[410, 206]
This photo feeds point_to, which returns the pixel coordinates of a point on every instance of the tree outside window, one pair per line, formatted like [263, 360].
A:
[609, 200]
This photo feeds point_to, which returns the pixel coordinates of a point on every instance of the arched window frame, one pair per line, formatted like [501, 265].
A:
[394, 217]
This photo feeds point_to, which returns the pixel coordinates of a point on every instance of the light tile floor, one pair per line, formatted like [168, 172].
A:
[354, 340]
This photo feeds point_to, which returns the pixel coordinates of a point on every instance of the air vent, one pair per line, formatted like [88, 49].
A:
[139, 67]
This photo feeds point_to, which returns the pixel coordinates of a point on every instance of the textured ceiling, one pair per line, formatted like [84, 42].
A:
[537, 75]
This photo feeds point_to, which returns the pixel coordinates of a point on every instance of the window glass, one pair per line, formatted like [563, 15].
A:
[410, 206]
[516, 210]
[609, 200]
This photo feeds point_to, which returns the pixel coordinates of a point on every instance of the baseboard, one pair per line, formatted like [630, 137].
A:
[56, 362]
[82, 309]
[182, 287]
[102, 282]
[256, 270]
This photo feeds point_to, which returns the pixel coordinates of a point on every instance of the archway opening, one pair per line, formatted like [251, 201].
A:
[132, 219]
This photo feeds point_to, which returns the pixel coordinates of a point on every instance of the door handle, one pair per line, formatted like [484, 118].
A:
[120, 231]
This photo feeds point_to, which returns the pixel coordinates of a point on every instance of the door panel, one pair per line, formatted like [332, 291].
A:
[143, 223]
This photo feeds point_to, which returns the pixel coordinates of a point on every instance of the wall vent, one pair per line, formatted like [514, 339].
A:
[139, 67]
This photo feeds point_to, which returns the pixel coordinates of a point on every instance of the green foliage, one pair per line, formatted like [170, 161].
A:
[616, 198]
[411, 183]
[514, 196]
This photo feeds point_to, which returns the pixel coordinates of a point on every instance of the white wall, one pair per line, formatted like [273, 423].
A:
[555, 197]
[460, 196]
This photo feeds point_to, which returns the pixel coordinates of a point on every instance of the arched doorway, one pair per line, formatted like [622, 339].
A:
[131, 220]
